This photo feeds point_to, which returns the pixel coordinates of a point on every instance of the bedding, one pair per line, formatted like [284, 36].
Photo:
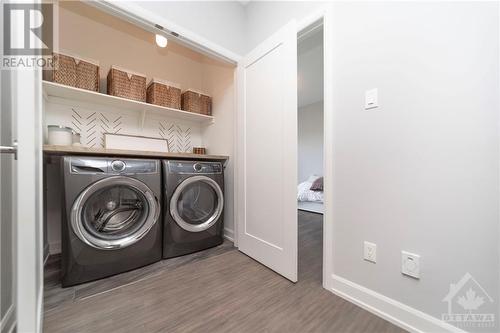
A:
[304, 192]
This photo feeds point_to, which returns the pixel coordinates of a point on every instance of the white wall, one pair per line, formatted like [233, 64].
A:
[310, 102]
[310, 68]
[222, 22]
[421, 172]
[422, 168]
[266, 17]
[310, 141]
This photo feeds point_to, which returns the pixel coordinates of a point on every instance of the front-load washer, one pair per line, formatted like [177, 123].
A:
[112, 217]
[193, 206]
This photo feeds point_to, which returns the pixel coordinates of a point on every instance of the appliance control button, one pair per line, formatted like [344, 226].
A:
[197, 167]
[118, 166]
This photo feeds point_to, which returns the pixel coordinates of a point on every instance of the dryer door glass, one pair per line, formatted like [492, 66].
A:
[197, 203]
[115, 215]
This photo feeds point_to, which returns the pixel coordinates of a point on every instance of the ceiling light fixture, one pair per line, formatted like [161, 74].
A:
[161, 40]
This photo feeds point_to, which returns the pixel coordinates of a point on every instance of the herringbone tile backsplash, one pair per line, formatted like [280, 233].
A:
[92, 123]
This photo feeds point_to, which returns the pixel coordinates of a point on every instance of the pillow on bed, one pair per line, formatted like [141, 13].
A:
[317, 185]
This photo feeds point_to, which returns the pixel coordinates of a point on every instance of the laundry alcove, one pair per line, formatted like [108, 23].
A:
[90, 33]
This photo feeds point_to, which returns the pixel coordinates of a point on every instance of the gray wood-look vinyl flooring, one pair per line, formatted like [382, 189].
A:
[218, 290]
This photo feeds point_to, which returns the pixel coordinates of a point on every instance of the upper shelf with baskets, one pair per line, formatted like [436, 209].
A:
[57, 90]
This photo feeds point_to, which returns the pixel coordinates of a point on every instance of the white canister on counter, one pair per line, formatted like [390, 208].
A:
[60, 135]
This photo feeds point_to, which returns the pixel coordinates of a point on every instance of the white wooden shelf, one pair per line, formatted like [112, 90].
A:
[52, 89]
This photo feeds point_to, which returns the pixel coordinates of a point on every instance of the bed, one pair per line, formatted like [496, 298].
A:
[310, 195]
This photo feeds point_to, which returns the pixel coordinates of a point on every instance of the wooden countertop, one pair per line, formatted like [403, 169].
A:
[79, 150]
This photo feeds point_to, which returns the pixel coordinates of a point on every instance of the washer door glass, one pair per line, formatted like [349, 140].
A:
[197, 203]
[114, 214]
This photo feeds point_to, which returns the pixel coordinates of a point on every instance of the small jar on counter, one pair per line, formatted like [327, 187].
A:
[60, 135]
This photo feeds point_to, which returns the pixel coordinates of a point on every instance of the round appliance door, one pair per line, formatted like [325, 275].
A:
[197, 203]
[114, 213]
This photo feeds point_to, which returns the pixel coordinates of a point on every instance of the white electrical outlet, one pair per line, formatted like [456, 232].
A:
[370, 252]
[410, 264]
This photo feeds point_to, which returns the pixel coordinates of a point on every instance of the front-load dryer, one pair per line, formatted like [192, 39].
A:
[112, 217]
[193, 206]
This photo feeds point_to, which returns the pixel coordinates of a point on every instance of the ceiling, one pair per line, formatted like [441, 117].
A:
[310, 67]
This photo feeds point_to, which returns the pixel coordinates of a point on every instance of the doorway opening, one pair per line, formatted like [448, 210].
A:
[310, 165]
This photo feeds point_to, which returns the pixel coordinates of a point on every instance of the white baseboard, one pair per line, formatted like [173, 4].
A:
[8, 321]
[229, 234]
[399, 314]
[55, 248]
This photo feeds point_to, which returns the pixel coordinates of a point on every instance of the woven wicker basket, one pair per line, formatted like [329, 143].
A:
[75, 72]
[126, 84]
[196, 102]
[199, 150]
[164, 94]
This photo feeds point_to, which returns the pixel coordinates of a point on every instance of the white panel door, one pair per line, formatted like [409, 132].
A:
[267, 153]
[21, 194]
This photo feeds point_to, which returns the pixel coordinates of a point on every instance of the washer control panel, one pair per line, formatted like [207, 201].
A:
[97, 165]
[191, 167]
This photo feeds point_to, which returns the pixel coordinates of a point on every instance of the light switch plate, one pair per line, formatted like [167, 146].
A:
[371, 99]
[370, 252]
[410, 264]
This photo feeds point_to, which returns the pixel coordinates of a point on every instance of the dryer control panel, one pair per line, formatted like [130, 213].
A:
[194, 167]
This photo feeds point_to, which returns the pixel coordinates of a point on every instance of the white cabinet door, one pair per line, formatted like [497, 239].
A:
[267, 153]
